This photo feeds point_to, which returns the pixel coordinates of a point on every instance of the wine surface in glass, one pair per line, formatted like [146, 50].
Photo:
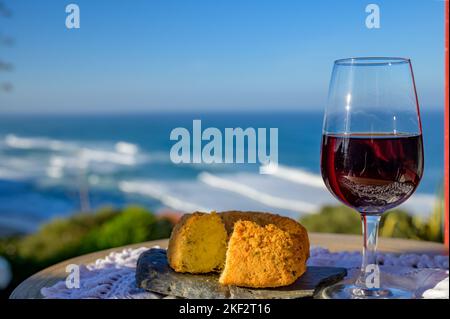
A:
[372, 172]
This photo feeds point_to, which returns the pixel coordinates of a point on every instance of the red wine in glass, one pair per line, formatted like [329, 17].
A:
[371, 156]
[372, 173]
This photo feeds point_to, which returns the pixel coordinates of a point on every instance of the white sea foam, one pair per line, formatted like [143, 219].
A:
[54, 172]
[299, 176]
[57, 159]
[87, 155]
[123, 153]
[289, 191]
[191, 195]
[256, 195]
[249, 191]
[126, 148]
[43, 143]
[8, 174]
[158, 192]
[16, 167]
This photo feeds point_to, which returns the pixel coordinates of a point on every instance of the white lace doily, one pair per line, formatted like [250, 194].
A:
[114, 275]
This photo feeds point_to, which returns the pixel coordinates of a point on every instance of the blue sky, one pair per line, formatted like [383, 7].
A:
[166, 55]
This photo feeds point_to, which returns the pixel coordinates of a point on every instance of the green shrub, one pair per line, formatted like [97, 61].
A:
[61, 238]
[79, 234]
[401, 225]
[435, 230]
[133, 225]
[333, 219]
[395, 223]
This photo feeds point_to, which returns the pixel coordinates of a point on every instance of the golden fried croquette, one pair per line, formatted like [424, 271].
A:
[198, 244]
[261, 249]
[262, 256]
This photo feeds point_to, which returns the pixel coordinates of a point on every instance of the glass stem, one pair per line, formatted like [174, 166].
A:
[369, 278]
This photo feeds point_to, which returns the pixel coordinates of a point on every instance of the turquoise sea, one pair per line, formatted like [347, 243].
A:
[48, 161]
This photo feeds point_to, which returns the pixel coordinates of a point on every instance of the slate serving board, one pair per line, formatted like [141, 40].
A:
[154, 274]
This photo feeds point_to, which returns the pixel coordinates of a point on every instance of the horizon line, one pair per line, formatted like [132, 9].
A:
[182, 112]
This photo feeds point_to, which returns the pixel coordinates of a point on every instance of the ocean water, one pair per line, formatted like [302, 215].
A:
[55, 165]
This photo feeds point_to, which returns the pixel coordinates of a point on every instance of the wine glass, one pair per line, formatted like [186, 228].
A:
[372, 153]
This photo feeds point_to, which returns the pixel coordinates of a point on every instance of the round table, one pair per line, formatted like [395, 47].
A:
[31, 287]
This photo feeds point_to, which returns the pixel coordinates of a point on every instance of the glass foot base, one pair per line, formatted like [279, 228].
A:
[351, 291]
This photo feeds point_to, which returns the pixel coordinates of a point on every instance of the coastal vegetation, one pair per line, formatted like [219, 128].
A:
[79, 234]
[109, 227]
[396, 223]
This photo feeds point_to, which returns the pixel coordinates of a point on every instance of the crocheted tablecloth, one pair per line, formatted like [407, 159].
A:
[114, 276]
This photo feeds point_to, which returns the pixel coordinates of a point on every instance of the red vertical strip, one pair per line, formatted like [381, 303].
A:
[446, 145]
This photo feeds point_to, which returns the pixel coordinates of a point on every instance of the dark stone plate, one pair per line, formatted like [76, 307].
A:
[154, 274]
